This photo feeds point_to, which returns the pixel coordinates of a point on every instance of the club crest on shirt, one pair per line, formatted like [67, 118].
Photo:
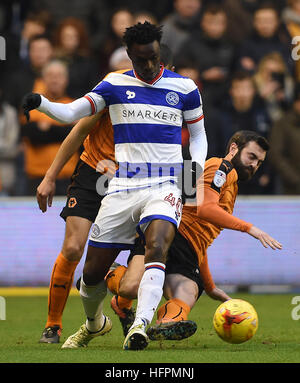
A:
[172, 98]
[219, 178]
[95, 231]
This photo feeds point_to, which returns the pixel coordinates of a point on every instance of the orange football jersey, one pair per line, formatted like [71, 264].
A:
[201, 224]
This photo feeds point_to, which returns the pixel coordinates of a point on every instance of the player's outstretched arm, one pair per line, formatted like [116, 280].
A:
[264, 238]
[64, 113]
[70, 145]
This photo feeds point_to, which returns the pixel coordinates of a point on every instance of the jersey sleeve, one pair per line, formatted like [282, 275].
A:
[100, 96]
[209, 187]
[192, 108]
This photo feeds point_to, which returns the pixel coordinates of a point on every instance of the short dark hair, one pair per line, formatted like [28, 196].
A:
[242, 137]
[139, 33]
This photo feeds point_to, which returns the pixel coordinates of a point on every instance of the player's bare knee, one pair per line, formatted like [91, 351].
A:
[72, 249]
[155, 252]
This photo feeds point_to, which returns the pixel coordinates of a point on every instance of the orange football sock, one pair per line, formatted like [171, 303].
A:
[59, 289]
[124, 303]
[113, 279]
[172, 311]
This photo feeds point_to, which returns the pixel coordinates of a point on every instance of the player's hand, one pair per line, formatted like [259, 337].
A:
[45, 193]
[264, 238]
[218, 294]
[30, 101]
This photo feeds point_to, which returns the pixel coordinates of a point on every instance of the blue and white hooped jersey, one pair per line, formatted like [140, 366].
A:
[147, 120]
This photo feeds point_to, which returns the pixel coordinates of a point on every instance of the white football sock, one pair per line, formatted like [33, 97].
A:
[150, 292]
[92, 298]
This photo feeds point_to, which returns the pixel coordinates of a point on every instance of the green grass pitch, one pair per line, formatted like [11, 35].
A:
[276, 341]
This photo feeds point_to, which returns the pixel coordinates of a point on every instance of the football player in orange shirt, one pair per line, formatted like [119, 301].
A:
[188, 273]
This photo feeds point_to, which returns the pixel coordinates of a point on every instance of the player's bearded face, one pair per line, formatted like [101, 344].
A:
[245, 172]
[145, 59]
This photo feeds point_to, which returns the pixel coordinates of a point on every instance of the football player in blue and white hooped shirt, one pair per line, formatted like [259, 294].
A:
[147, 107]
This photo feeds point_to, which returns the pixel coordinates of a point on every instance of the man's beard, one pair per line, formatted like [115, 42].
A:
[245, 173]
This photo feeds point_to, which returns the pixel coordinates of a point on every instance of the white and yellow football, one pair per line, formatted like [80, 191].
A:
[235, 321]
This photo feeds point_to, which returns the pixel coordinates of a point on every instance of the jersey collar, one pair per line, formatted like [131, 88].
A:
[152, 82]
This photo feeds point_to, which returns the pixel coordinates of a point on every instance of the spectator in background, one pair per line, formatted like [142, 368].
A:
[189, 69]
[159, 9]
[119, 60]
[285, 144]
[178, 26]
[240, 18]
[268, 36]
[71, 43]
[142, 16]
[274, 84]
[120, 20]
[215, 149]
[28, 78]
[34, 25]
[43, 135]
[243, 110]
[291, 18]
[9, 146]
[93, 13]
[211, 53]
[17, 47]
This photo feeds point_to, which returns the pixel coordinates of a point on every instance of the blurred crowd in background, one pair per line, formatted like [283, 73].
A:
[242, 54]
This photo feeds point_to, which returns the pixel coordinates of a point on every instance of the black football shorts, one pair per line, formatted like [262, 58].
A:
[82, 197]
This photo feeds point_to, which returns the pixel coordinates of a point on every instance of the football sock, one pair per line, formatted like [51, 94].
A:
[124, 303]
[150, 292]
[173, 310]
[92, 298]
[113, 279]
[59, 289]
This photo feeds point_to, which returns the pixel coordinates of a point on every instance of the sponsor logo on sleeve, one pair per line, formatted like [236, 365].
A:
[219, 178]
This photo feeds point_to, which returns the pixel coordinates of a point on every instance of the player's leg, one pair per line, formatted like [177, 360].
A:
[80, 211]
[93, 291]
[76, 234]
[183, 286]
[93, 286]
[159, 219]
[123, 282]
[108, 237]
[172, 317]
[158, 236]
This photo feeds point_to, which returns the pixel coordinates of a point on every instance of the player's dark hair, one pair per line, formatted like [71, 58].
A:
[142, 34]
[166, 55]
[242, 137]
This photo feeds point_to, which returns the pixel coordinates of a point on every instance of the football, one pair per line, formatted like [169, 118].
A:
[235, 321]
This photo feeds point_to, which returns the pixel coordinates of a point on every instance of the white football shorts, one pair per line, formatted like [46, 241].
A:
[124, 213]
